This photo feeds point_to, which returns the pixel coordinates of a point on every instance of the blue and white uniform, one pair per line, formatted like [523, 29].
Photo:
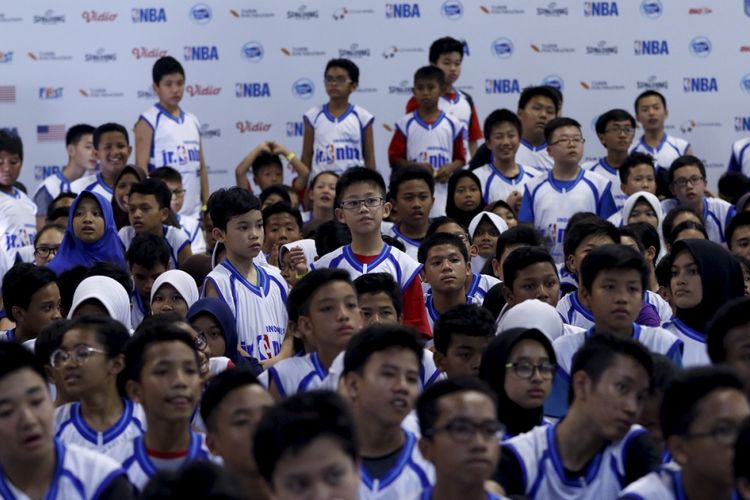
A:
[192, 228]
[175, 238]
[695, 353]
[411, 246]
[115, 442]
[431, 143]
[479, 286]
[740, 159]
[432, 314]
[49, 189]
[138, 310]
[176, 143]
[496, 186]
[79, 474]
[259, 309]
[662, 484]
[610, 173]
[94, 183]
[576, 314]
[534, 156]
[17, 222]
[459, 107]
[669, 149]
[427, 495]
[338, 141]
[549, 203]
[298, 374]
[716, 216]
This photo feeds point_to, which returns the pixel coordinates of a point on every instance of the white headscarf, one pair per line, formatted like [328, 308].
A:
[478, 262]
[181, 281]
[652, 200]
[532, 313]
[111, 294]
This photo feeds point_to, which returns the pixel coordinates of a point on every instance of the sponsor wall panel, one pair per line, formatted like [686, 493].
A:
[254, 67]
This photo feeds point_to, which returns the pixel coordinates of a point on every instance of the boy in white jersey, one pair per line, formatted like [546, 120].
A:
[306, 446]
[701, 415]
[502, 177]
[636, 173]
[148, 258]
[338, 135]
[165, 135]
[148, 209]
[162, 368]
[90, 357]
[255, 294]
[112, 148]
[738, 235]
[381, 376]
[596, 450]
[451, 414]
[189, 225]
[32, 463]
[80, 148]
[461, 336]
[31, 298]
[17, 211]
[428, 137]
[613, 278]
[411, 193]
[687, 182]
[325, 304]
[549, 201]
[739, 161]
[615, 130]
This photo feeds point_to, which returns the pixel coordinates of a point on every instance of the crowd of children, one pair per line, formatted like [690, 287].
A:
[496, 321]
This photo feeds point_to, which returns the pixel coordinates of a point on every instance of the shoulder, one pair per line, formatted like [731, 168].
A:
[364, 115]
[81, 184]
[598, 179]
[89, 461]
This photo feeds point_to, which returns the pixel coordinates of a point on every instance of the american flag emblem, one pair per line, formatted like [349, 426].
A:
[7, 93]
[50, 133]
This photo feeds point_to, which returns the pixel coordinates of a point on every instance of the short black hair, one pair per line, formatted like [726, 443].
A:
[522, 234]
[282, 207]
[523, 257]
[441, 239]
[729, 316]
[732, 185]
[443, 220]
[15, 357]
[430, 73]
[741, 464]
[50, 226]
[277, 189]
[550, 93]
[331, 235]
[106, 128]
[378, 338]
[678, 408]
[50, 339]
[445, 45]
[223, 204]
[646, 235]
[598, 353]
[194, 479]
[740, 220]
[111, 270]
[613, 257]
[68, 281]
[664, 373]
[21, 282]
[266, 159]
[219, 386]
[579, 230]
[153, 330]
[11, 143]
[613, 115]
[464, 319]
[373, 283]
[669, 218]
[300, 296]
[499, 116]
[405, 174]
[166, 65]
[649, 93]
[147, 250]
[626, 232]
[76, 132]
[685, 226]
[686, 161]
[355, 175]
[633, 160]
[394, 242]
[156, 187]
[557, 123]
[167, 174]
[664, 271]
[429, 401]
[345, 64]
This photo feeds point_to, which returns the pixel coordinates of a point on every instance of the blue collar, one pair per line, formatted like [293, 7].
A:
[403, 458]
[261, 289]
[424, 124]
[110, 434]
[657, 148]
[359, 266]
[169, 115]
[533, 148]
[337, 119]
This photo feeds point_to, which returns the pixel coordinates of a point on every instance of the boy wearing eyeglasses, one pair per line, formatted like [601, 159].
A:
[338, 134]
[687, 182]
[701, 416]
[361, 205]
[549, 201]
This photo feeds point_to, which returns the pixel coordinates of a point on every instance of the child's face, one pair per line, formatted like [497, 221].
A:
[81, 377]
[82, 153]
[363, 220]
[280, 229]
[686, 285]
[649, 419]
[737, 346]
[615, 299]
[144, 213]
[88, 220]
[566, 146]
[651, 113]
[168, 299]
[450, 63]
[170, 89]
[324, 191]
[467, 195]
[528, 393]
[144, 277]
[535, 116]
[507, 215]
[10, 168]
[445, 269]
[44, 309]
[463, 356]
[640, 178]
[455, 229]
[287, 271]
[587, 244]
[243, 237]
[268, 175]
[414, 202]
[334, 317]
[338, 83]
[689, 185]
[122, 189]
[740, 242]
[206, 325]
[504, 141]
[617, 136]
[377, 309]
[643, 212]
[427, 92]
[485, 239]
[113, 152]
[537, 281]
[170, 385]
[208, 231]
[48, 242]
[178, 195]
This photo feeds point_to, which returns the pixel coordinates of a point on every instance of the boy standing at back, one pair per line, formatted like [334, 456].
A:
[112, 147]
[165, 135]
[338, 135]
[17, 211]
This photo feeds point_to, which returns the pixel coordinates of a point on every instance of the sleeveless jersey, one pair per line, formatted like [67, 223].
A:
[610, 173]
[94, 183]
[192, 228]
[716, 216]
[49, 189]
[696, 353]
[411, 246]
[17, 221]
[662, 484]
[669, 149]
[534, 156]
[298, 374]
[740, 159]
[496, 186]
[175, 238]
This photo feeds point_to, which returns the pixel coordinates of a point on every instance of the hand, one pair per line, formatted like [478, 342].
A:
[443, 174]
[263, 147]
[297, 261]
[279, 149]
[514, 200]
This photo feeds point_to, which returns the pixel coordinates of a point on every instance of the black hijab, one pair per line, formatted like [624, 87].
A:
[721, 278]
[492, 370]
[451, 210]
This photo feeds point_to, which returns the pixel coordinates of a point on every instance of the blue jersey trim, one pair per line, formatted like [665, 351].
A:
[535, 149]
[398, 467]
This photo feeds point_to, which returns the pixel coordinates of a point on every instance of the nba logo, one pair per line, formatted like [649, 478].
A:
[182, 156]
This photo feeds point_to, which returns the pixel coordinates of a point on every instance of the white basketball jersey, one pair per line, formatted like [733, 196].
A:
[176, 143]
[93, 183]
[298, 374]
[610, 173]
[175, 238]
[695, 352]
[534, 156]
[138, 310]
[716, 216]
[17, 221]
[49, 189]
[411, 246]
[669, 149]
[496, 186]
[459, 108]
[573, 312]
[662, 484]
[740, 159]
[662, 306]
[192, 228]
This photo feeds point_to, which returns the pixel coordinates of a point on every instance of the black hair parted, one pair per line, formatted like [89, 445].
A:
[356, 175]
[522, 234]
[166, 65]
[300, 296]
[523, 257]
[557, 123]
[223, 204]
[686, 161]
[433, 73]
[613, 115]
[499, 116]
[445, 45]
[222, 384]
[156, 187]
[347, 65]
[579, 230]
[470, 320]
[436, 239]
[282, 207]
[76, 132]
[378, 338]
[404, 174]
[428, 403]
[373, 283]
[147, 250]
[613, 258]
[729, 316]
[633, 160]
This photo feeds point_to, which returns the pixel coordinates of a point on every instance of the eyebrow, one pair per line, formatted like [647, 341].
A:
[29, 392]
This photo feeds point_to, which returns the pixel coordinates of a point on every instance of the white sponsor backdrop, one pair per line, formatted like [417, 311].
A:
[254, 67]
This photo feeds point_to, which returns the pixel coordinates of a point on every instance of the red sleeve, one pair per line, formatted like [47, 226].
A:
[415, 312]
[412, 105]
[397, 148]
[475, 131]
[459, 153]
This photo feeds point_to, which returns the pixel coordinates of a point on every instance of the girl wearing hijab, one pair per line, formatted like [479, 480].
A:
[101, 296]
[129, 176]
[173, 291]
[704, 276]
[519, 365]
[464, 197]
[91, 236]
[645, 207]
